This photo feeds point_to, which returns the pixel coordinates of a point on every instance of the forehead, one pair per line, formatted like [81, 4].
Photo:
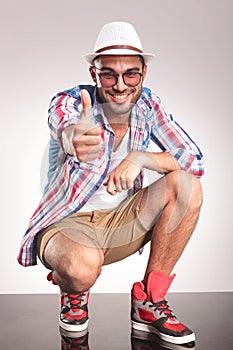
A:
[118, 62]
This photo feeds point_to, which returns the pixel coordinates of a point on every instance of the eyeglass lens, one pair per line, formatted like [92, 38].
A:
[111, 79]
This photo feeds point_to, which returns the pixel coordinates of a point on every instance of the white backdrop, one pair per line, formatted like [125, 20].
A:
[41, 46]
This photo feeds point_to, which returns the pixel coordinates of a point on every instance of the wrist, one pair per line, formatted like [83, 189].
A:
[137, 158]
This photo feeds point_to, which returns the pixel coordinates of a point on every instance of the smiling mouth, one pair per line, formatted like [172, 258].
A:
[119, 98]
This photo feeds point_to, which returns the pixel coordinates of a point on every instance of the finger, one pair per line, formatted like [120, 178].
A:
[83, 151]
[111, 186]
[95, 131]
[86, 128]
[118, 186]
[88, 157]
[86, 140]
[129, 185]
[93, 149]
[124, 185]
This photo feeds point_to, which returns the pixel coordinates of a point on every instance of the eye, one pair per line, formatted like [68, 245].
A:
[107, 75]
[131, 74]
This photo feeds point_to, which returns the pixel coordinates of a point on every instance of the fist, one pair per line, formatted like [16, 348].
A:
[87, 136]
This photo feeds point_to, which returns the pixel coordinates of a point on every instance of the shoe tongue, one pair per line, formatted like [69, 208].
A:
[138, 291]
[158, 285]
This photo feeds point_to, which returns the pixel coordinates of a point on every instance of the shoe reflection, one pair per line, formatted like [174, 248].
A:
[74, 340]
[139, 341]
[146, 341]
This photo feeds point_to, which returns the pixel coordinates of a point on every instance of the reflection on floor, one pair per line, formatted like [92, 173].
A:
[29, 322]
[139, 341]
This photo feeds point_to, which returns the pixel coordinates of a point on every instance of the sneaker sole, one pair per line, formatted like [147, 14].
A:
[73, 327]
[153, 338]
[174, 340]
[69, 334]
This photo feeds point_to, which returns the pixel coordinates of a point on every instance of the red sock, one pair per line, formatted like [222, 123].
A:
[157, 285]
[50, 278]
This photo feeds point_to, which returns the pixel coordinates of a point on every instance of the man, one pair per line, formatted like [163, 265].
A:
[95, 210]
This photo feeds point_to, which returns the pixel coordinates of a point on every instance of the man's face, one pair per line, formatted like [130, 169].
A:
[119, 98]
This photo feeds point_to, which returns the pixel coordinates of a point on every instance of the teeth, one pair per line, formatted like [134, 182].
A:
[120, 97]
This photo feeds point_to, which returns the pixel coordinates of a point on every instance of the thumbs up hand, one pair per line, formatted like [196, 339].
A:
[87, 136]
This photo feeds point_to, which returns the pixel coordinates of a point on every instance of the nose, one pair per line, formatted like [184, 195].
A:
[120, 85]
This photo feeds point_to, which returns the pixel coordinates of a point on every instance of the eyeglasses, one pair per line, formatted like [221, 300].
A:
[109, 79]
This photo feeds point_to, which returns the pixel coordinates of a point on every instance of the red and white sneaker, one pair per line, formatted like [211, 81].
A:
[150, 315]
[74, 312]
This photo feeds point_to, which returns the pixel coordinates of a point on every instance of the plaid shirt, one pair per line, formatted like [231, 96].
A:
[74, 182]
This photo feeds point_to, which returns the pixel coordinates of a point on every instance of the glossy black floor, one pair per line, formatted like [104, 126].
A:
[29, 322]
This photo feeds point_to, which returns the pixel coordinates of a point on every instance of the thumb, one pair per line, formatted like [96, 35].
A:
[86, 104]
[85, 99]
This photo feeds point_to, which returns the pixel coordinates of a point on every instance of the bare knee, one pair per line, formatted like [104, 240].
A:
[197, 195]
[76, 263]
[81, 272]
[76, 267]
[185, 189]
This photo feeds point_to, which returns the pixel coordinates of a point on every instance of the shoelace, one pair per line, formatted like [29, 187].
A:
[163, 308]
[76, 300]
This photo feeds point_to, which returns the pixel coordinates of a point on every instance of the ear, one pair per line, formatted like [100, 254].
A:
[144, 71]
[93, 75]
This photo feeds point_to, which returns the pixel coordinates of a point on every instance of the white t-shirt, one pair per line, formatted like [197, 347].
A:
[101, 199]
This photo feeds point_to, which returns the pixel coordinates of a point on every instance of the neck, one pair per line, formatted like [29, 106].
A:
[119, 127]
[116, 117]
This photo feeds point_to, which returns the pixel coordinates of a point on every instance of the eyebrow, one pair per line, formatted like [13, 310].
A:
[112, 70]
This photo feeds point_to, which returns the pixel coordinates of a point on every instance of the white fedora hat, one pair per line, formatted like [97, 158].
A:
[118, 38]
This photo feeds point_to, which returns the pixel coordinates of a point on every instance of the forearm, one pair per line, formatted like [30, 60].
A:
[124, 175]
[162, 162]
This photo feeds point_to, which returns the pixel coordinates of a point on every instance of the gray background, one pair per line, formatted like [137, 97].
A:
[41, 47]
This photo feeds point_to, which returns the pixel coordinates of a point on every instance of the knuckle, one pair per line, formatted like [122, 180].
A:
[117, 178]
[77, 140]
[129, 178]
[96, 140]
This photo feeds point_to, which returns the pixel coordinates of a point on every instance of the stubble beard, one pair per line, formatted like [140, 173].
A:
[118, 108]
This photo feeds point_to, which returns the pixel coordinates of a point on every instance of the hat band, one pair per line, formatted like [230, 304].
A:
[127, 47]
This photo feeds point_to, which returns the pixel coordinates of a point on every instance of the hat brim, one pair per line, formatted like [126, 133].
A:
[147, 56]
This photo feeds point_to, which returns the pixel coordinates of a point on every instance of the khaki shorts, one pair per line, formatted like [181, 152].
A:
[118, 232]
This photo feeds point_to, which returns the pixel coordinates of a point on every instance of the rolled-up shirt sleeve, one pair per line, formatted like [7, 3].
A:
[64, 111]
[172, 138]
